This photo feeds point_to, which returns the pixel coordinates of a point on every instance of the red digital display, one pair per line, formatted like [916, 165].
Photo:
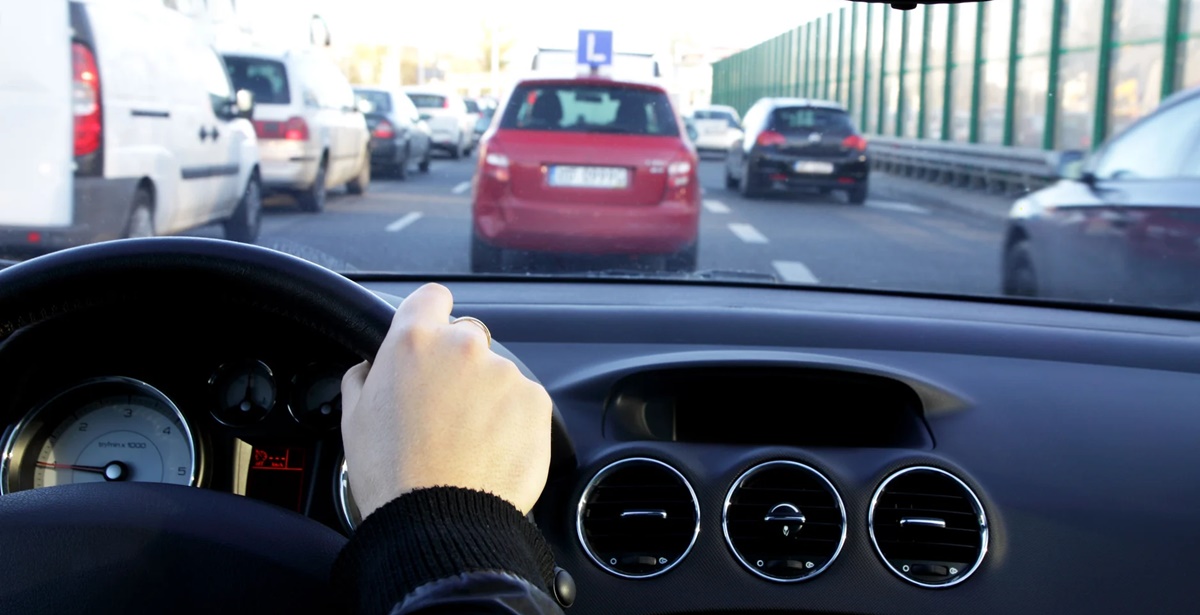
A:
[277, 475]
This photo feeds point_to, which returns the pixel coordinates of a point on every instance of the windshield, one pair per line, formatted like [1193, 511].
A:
[427, 101]
[1027, 150]
[266, 79]
[381, 102]
[590, 108]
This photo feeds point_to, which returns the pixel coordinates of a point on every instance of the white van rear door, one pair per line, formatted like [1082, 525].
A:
[36, 119]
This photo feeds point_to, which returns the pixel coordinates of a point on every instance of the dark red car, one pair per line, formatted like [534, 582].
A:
[587, 166]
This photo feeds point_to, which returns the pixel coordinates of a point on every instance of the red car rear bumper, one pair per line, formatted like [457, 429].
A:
[574, 228]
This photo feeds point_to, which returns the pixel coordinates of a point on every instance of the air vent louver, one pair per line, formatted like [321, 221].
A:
[638, 518]
[784, 521]
[928, 527]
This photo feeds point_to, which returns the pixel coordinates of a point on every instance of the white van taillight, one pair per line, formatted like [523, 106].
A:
[294, 129]
[85, 100]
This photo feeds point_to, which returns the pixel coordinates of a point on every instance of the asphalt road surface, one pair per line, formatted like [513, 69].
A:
[423, 225]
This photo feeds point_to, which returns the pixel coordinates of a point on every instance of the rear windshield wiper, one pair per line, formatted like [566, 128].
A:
[616, 130]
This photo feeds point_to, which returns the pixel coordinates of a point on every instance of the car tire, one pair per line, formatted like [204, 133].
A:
[857, 195]
[141, 215]
[683, 260]
[731, 182]
[401, 169]
[749, 190]
[485, 258]
[1020, 278]
[456, 152]
[313, 199]
[246, 222]
[424, 166]
[359, 184]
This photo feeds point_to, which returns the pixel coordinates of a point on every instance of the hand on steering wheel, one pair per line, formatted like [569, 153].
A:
[439, 408]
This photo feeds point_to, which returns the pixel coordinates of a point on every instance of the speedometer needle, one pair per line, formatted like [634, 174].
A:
[112, 471]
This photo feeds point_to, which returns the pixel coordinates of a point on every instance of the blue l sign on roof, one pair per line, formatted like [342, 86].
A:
[595, 48]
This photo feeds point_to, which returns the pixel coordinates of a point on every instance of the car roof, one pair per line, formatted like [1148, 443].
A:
[592, 81]
[805, 102]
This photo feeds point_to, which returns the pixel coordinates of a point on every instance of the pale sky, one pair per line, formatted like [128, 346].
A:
[638, 25]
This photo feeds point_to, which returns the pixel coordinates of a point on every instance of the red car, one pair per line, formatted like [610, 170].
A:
[590, 167]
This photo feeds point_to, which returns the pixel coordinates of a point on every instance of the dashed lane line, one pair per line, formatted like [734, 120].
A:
[747, 233]
[795, 272]
[716, 207]
[403, 222]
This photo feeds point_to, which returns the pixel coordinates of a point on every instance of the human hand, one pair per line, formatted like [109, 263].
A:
[439, 408]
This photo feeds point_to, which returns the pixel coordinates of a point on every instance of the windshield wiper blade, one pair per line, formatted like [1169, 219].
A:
[715, 275]
[616, 130]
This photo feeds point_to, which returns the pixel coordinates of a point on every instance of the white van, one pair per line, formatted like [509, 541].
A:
[311, 133]
[160, 142]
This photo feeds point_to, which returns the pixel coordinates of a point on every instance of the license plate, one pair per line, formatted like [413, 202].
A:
[813, 166]
[713, 130]
[589, 177]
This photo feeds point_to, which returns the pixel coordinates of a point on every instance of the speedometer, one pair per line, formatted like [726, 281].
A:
[108, 429]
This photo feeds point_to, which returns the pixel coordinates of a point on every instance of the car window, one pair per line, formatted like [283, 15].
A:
[266, 79]
[590, 108]
[1154, 147]
[381, 102]
[807, 119]
[216, 80]
[405, 108]
[472, 106]
[428, 101]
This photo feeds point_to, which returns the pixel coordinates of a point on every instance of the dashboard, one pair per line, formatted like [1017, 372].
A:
[730, 448]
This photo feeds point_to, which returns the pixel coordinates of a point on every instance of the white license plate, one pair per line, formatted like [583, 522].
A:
[813, 166]
[713, 130]
[589, 177]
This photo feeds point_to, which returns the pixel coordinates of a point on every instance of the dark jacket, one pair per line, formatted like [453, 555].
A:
[448, 550]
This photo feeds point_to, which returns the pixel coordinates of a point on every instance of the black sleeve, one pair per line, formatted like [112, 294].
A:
[445, 547]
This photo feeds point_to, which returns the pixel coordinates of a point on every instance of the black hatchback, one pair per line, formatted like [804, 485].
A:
[795, 144]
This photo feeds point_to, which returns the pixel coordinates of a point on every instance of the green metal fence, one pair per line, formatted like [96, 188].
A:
[1054, 74]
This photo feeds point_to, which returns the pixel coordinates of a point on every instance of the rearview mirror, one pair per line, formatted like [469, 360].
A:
[243, 104]
[1070, 164]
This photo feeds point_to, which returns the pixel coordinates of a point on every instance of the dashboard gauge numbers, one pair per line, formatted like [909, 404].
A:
[105, 430]
[244, 392]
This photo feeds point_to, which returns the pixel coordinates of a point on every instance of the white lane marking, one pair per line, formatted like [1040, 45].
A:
[461, 188]
[795, 272]
[400, 224]
[716, 207]
[894, 206]
[747, 233]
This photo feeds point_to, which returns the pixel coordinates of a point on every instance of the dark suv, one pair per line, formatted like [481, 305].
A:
[799, 144]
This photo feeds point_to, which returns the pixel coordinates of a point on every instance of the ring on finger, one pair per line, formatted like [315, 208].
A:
[478, 323]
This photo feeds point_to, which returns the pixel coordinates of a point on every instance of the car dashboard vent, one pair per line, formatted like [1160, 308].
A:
[784, 521]
[638, 518]
[928, 527]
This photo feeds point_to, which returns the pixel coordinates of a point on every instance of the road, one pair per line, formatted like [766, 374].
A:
[423, 225]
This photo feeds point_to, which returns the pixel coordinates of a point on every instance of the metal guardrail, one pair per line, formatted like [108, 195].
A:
[992, 168]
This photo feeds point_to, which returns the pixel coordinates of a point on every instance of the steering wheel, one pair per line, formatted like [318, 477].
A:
[125, 548]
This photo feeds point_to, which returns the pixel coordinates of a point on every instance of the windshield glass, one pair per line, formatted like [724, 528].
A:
[591, 108]
[266, 79]
[427, 101]
[1036, 150]
[381, 102]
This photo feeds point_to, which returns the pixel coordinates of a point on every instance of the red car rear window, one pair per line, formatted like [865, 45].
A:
[610, 109]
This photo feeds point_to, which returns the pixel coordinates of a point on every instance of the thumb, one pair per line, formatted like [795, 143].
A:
[352, 386]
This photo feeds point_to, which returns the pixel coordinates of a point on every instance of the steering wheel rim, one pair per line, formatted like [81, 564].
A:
[192, 533]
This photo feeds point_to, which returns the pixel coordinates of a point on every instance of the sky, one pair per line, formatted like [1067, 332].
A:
[638, 25]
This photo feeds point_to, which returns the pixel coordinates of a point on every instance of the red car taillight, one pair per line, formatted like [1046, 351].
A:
[383, 130]
[770, 137]
[85, 100]
[495, 163]
[681, 180]
[294, 129]
[855, 142]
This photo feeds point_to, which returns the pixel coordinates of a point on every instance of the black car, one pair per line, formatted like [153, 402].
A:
[799, 144]
[1121, 226]
[399, 137]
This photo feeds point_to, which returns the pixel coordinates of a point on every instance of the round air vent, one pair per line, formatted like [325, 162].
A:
[928, 527]
[638, 517]
[784, 521]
